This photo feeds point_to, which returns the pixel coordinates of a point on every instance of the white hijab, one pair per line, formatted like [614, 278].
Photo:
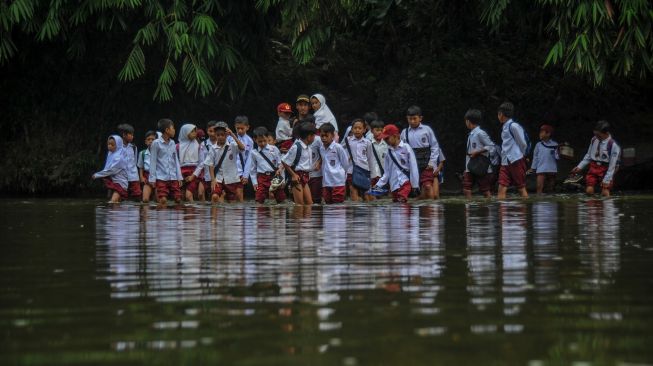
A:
[324, 114]
[115, 158]
[189, 150]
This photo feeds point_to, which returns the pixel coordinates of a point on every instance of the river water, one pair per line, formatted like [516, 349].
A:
[563, 280]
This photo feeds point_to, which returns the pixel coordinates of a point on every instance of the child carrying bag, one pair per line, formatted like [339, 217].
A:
[360, 178]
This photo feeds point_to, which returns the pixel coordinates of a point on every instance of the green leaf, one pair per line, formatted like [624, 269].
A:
[134, 66]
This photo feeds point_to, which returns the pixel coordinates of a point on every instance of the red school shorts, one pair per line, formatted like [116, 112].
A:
[135, 189]
[315, 185]
[401, 194]
[595, 174]
[513, 174]
[333, 194]
[286, 145]
[207, 187]
[229, 189]
[167, 188]
[426, 178]
[146, 175]
[187, 171]
[484, 182]
[303, 177]
[115, 187]
[263, 189]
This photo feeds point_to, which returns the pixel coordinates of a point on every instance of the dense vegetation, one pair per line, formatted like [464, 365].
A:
[72, 70]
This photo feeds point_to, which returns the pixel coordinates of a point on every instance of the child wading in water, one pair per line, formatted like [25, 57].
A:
[400, 166]
[603, 160]
[361, 156]
[513, 153]
[114, 174]
[298, 163]
[334, 165]
[266, 164]
[143, 165]
[545, 160]
[165, 172]
[422, 141]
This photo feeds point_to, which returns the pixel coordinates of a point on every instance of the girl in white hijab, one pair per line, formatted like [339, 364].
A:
[322, 112]
[189, 158]
[114, 173]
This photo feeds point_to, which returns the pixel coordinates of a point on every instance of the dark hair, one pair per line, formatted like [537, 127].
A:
[507, 109]
[270, 133]
[306, 129]
[602, 126]
[310, 119]
[327, 128]
[149, 133]
[357, 120]
[474, 116]
[260, 132]
[369, 117]
[414, 110]
[211, 123]
[163, 124]
[377, 124]
[241, 120]
[125, 128]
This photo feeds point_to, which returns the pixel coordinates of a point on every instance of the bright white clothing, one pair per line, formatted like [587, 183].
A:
[603, 152]
[114, 166]
[394, 174]
[164, 164]
[381, 148]
[513, 143]
[545, 157]
[283, 131]
[260, 165]
[476, 140]
[421, 137]
[305, 163]
[361, 150]
[335, 163]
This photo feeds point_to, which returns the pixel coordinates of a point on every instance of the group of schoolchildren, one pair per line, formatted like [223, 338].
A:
[371, 159]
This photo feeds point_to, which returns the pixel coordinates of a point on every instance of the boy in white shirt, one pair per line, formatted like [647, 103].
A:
[603, 160]
[400, 166]
[127, 133]
[335, 163]
[143, 165]
[545, 160]
[241, 123]
[298, 163]
[266, 164]
[426, 148]
[478, 143]
[379, 150]
[360, 154]
[513, 153]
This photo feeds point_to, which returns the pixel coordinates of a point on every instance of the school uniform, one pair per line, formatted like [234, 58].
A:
[190, 156]
[305, 163]
[335, 163]
[361, 155]
[545, 161]
[165, 172]
[441, 159]
[395, 174]
[143, 162]
[134, 188]
[476, 140]
[283, 133]
[379, 150]
[603, 160]
[114, 174]
[425, 146]
[513, 161]
[315, 175]
[204, 173]
[243, 156]
[262, 172]
[227, 175]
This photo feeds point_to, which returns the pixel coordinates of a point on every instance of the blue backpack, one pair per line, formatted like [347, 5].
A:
[529, 145]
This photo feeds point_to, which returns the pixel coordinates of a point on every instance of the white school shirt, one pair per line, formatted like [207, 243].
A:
[405, 156]
[260, 165]
[305, 163]
[335, 163]
[164, 163]
[283, 131]
[381, 148]
[243, 166]
[368, 135]
[116, 172]
[206, 160]
[512, 149]
[361, 150]
[228, 172]
[144, 160]
[476, 140]
[315, 158]
[545, 157]
[421, 137]
[599, 152]
[130, 160]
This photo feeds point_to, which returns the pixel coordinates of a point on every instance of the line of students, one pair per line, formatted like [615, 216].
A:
[370, 157]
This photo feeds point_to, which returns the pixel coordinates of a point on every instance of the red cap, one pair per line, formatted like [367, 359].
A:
[547, 128]
[284, 108]
[200, 133]
[389, 130]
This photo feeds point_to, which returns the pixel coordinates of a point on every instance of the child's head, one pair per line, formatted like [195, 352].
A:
[303, 105]
[149, 137]
[167, 127]
[126, 132]
[377, 129]
[545, 132]
[242, 125]
[414, 116]
[358, 128]
[210, 129]
[602, 129]
[111, 144]
[220, 131]
[316, 102]
[272, 140]
[261, 136]
[306, 132]
[505, 112]
[473, 118]
[369, 117]
[284, 110]
[327, 134]
[189, 132]
[391, 135]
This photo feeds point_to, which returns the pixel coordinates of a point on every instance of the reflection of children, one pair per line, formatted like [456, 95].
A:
[114, 173]
[223, 165]
[602, 158]
[165, 172]
[335, 164]
[266, 164]
[298, 164]
[400, 166]
[189, 159]
[127, 133]
[426, 149]
[143, 165]
[361, 155]
[545, 160]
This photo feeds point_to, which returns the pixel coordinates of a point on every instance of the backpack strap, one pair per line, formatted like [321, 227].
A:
[378, 161]
[394, 160]
[298, 155]
[351, 156]
[224, 154]
[267, 160]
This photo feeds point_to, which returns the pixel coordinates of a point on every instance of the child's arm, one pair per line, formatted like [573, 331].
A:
[435, 150]
[253, 171]
[612, 167]
[536, 158]
[154, 154]
[140, 164]
[387, 163]
[414, 172]
[586, 160]
[370, 157]
[343, 156]
[288, 159]
[241, 146]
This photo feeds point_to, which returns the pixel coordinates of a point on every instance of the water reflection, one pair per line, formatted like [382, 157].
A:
[545, 245]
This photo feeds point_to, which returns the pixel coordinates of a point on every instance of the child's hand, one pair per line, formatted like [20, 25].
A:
[295, 178]
[575, 170]
[530, 171]
[605, 185]
[230, 132]
[255, 187]
[213, 183]
[475, 153]
[93, 176]
[143, 180]
[243, 180]
[318, 165]
[190, 178]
